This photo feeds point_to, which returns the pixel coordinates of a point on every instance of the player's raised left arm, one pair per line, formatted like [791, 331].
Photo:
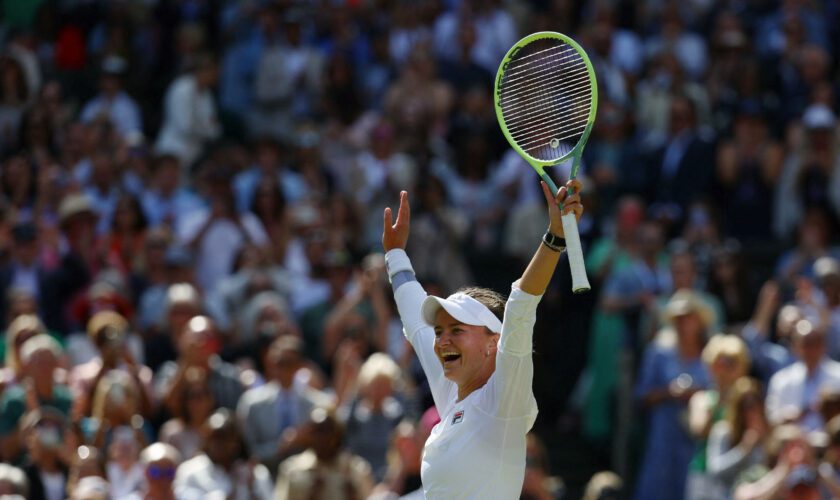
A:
[538, 274]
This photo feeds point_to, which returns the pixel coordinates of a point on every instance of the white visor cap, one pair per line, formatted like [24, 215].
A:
[463, 308]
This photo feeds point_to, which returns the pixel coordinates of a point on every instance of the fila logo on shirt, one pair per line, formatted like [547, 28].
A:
[458, 417]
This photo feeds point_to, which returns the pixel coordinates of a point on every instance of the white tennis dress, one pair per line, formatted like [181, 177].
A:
[477, 451]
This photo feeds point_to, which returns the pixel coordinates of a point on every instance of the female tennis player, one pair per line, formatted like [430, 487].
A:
[476, 353]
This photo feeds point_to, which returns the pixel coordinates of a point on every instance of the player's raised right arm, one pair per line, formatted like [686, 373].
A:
[409, 296]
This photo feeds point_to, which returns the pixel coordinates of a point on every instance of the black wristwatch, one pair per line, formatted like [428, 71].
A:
[554, 242]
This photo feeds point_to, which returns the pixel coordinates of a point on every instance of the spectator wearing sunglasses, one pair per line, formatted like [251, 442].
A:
[159, 461]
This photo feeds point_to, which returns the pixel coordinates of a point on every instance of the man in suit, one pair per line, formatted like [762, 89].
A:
[682, 168]
[267, 414]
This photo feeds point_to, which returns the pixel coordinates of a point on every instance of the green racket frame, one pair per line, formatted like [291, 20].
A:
[580, 283]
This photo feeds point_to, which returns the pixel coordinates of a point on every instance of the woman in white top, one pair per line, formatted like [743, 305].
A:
[475, 350]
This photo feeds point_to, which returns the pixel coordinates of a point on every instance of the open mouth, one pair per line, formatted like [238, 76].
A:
[450, 357]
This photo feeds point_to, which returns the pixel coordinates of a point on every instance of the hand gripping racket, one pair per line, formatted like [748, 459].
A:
[546, 97]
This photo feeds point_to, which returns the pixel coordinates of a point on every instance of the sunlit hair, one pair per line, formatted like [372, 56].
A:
[491, 299]
[730, 346]
[38, 343]
[379, 365]
[16, 478]
[157, 452]
[22, 323]
[602, 482]
[744, 391]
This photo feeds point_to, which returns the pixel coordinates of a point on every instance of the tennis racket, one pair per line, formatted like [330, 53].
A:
[546, 97]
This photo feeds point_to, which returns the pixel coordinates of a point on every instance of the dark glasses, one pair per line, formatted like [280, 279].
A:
[161, 472]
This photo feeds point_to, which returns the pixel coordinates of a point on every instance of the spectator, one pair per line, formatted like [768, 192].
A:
[43, 431]
[113, 103]
[748, 169]
[736, 442]
[215, 234]
[269, 414]
[809, 176]
[769, 357]
[21, 329]
[326, 469]
[115, 411]
[670, 375]
[77, 264]
[793, 393]
[678, 173]
[108, 330]
[727, 360]
[219, 470]
[86, 462]
[159, 462]
[124, 471]
[166, 200]
[181, 303]
[373, 414]
[539, 484]
[39, 357]
[198, 345]
[730, 282]
[404, 458]
[13, 482]
[26, 270]
[183, 430]
[190, 121]
[827, 279]
[287, 79]
[792, 475]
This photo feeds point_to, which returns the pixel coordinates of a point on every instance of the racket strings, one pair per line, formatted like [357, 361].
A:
[577, 91]
[566, 81]
[521, 71]
[566, 128]
[555, 44]
[543, 111]
[574, 115]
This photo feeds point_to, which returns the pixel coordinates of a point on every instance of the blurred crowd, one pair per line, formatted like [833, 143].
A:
[193, 291]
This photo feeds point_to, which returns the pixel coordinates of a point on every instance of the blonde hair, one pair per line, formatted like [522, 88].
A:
[378, 365]
[730, 346]
[20, 324]
[40, 342]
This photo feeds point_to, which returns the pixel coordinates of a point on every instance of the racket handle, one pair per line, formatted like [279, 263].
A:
[580, 283]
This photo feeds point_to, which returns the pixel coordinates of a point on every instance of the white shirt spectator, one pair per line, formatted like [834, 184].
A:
[120, 110]
[189, 120]
[791, 393]
[495, 33]
[216, 252]
[200, 479]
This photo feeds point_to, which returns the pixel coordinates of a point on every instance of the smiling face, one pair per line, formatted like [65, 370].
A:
[467, 352]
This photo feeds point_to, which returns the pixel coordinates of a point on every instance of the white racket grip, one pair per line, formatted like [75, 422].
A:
[580, 283]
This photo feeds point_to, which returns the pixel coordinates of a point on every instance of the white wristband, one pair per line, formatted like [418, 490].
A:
[397, 260]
